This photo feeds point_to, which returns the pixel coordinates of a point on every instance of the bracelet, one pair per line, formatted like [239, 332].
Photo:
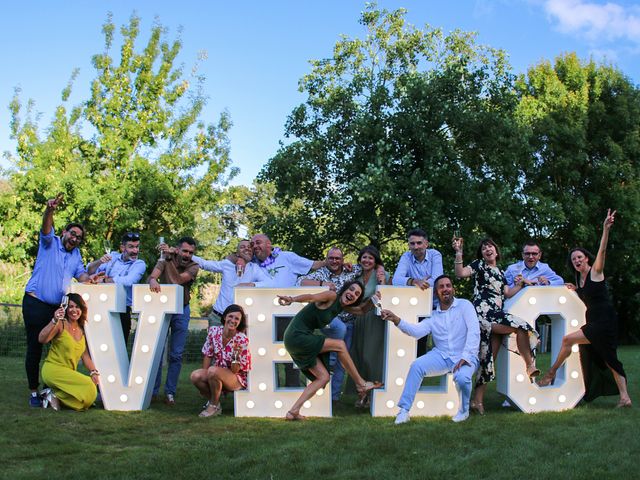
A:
[54, 320]
[93, 372]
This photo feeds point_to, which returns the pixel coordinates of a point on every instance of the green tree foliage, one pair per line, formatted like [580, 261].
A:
[406, 127]
[583, 122]
[134, 156]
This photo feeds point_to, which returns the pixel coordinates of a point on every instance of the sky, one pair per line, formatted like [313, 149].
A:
[257, 50]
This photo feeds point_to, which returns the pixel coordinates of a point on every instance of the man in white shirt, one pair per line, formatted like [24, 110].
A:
[232, 269]
[456, 336]
[276, 268]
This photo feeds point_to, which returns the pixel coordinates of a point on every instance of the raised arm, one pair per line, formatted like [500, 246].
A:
[47, 217]
[321, 297]
[53, 328]
[460, 269]
[598, 264]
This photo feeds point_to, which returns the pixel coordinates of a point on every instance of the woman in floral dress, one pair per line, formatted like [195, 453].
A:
[226, 360]
[489, 293]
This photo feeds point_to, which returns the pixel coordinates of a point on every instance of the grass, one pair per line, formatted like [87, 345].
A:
[592, 441]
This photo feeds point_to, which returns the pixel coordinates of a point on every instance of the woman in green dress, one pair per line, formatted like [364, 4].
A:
[369, 330]
[68, 345]
[307, 347]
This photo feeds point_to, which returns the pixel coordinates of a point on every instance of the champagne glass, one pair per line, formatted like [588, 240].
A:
[106, 245]
[64, 302]
[160, 242]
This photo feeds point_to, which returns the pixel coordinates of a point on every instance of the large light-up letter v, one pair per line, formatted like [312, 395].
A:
[127, 385]
[409, 303]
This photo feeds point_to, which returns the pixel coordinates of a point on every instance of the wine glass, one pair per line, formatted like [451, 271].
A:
[106, 245]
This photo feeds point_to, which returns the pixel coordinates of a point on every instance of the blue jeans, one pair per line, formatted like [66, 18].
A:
[178, 329]
[339, 330]
[432, 364]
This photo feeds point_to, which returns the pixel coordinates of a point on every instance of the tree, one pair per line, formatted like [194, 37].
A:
[406, 127]
[583, 122]
[134, 156]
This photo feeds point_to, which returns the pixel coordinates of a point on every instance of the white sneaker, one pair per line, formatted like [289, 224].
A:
[461, 416]
[402, 417]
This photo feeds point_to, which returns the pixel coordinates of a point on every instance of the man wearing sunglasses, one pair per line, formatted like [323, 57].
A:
[531, 269]
[58, 261]
[123, 268]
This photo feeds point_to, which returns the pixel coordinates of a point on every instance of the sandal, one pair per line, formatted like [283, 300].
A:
[547, 379]
[366, 387]
[532, 371]
[363, 402]
[294, 417]
[477, 407]
[211, 411]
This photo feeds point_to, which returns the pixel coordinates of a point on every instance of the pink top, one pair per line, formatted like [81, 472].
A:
[222, 356]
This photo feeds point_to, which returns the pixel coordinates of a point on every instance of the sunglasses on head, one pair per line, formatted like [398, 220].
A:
[131, 237]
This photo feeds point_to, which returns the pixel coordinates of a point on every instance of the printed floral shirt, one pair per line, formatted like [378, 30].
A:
[222, 356]
[323, 274]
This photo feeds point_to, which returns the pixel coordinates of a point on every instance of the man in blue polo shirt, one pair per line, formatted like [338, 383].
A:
[532, 270]
[58, 261]
[122, 268]
[420, 265]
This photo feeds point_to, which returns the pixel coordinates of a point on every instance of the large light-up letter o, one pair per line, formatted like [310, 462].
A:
[567, 313]
[409, 303]
[127, 385]
[263, 398]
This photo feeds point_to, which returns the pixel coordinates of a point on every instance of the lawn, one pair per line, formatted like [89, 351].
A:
[592, 441]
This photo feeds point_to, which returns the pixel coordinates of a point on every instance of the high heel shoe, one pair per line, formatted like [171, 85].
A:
[532, 371]
[547, 379]
[477, 407]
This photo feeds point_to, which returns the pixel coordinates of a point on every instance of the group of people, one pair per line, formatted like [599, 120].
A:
[466, 336]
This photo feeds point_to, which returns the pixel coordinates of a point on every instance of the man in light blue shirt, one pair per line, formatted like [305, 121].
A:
[532, 270]
[124, 268]
[420, 264]
[456, 336]
[57, 263]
